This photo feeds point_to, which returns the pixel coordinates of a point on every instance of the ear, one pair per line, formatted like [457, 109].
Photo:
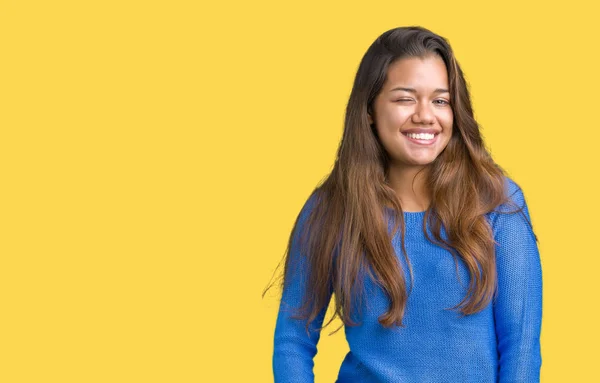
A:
[370, 118]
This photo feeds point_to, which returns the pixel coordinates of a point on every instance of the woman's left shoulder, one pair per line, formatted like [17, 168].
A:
[514, 200]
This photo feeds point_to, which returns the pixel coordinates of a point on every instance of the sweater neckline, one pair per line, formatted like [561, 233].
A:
[410, 216]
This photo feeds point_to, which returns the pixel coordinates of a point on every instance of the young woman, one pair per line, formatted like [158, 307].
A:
[423, 240]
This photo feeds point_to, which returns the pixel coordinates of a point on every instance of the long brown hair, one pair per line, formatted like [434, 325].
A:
[344, 234]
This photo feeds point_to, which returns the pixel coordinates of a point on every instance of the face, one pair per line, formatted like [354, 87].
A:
[412, 112]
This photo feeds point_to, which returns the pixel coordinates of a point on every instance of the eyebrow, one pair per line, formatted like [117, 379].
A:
[412, 90]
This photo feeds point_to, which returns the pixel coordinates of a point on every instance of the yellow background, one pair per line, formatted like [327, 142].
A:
[154, 155]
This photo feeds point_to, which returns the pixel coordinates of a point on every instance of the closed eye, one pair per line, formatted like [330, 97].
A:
[438, 102]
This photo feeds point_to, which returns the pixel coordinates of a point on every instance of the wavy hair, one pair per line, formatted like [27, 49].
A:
[345, 236]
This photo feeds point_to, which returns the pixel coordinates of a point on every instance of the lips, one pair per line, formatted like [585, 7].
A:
[422, 142]
[420, 130]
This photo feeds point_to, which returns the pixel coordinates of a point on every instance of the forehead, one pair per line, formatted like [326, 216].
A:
[416, 72]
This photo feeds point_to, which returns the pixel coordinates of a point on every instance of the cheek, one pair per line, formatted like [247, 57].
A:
[392, 119]
[446, 121]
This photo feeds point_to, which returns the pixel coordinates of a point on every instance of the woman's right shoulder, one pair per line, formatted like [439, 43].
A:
[309, 204]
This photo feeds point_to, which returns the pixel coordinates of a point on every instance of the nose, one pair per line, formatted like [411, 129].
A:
[423, 114]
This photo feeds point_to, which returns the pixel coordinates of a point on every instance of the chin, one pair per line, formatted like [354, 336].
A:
[421, 161]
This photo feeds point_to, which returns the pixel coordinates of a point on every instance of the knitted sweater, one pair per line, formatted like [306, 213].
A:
[499, 344]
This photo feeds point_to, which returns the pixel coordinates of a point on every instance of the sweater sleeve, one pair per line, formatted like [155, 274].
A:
[518, 305]
[294, 349]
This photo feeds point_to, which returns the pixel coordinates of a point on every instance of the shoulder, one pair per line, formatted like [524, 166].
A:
[514, 203]
[514, 194]
[511, 221]
[513, 197]
[308, 205]
[306, 209]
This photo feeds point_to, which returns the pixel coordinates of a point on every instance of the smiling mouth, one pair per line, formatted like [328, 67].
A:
[422, 138]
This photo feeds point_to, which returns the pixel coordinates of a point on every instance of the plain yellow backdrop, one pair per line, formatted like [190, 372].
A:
[154, 156]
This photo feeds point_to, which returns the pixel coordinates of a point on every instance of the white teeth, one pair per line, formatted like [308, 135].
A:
[421, 136]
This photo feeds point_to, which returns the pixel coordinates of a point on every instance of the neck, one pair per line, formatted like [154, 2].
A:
[409, 184]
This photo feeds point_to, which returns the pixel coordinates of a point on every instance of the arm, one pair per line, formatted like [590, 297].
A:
[294, 349]
[518, 305]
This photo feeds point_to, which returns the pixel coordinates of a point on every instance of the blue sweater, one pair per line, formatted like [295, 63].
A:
[499, 344]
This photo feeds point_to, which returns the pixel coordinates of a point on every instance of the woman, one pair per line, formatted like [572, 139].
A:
[425, 243]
